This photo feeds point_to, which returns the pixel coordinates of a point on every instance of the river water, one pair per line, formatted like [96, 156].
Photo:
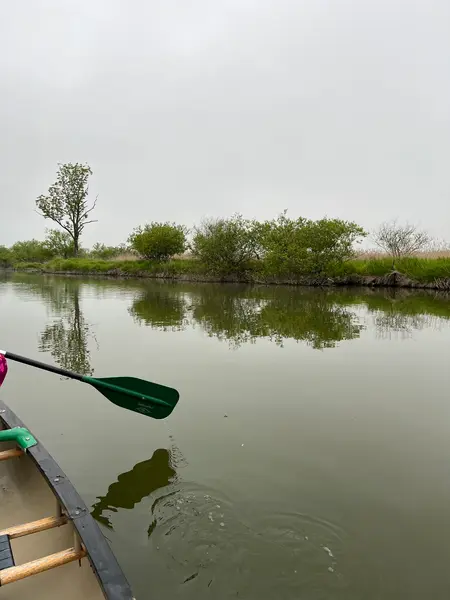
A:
[309, 454]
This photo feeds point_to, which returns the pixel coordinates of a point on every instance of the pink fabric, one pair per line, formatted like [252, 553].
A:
[3, 368]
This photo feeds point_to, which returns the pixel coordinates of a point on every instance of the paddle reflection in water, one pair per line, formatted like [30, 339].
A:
[133, 486]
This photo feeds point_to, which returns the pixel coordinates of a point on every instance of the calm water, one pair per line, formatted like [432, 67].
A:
[308, 457]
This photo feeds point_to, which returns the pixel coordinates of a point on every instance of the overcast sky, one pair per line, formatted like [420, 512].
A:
[193, 108]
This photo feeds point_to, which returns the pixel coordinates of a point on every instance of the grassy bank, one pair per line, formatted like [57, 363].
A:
[424, 271]
[116, 267]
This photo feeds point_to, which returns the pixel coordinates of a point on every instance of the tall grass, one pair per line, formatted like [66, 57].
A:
[127, 266]
[419, 269]
[438, 251]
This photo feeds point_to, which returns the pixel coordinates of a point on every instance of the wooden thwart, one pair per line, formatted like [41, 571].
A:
[10, 454]
[34, 527]
[40, 565]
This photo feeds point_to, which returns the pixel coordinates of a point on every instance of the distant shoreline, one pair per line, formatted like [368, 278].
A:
[392, 279]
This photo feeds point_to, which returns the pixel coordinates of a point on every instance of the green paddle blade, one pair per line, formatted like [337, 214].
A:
[147, 398]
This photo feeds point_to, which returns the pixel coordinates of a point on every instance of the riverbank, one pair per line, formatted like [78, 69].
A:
[421, 273]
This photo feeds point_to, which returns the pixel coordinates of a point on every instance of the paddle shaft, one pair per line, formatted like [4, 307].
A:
[97, 383]
[41, 365]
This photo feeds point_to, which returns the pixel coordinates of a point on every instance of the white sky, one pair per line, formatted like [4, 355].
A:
[186, 109]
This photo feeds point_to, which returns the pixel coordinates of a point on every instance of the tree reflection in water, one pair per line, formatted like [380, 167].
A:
[67, 336]
[240, 315]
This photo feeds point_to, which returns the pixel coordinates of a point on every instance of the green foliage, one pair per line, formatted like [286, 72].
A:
[25, 266]
[6, 259]
[106, 252]
[226, 246]
[66, 202]
[302, 246]
[59, 243]
[281, 250]
[158, 241]
[30, 251]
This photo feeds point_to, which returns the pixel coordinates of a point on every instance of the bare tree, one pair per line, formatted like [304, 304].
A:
[66, 203]
[400, 240]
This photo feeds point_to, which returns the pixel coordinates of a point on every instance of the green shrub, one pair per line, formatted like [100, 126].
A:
[23, 266]
[6, 259]
[158, 241]
[30, 251]
[226, 246]
[301, 246]
[106, 252]
[59, 243]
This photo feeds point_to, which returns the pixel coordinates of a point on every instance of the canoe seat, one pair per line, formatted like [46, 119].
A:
[10, 572]
[6, 555]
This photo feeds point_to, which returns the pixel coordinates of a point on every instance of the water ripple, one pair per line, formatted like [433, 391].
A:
[206, 540]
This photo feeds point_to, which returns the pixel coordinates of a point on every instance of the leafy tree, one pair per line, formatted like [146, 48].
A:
[400, 240]
[226, 245]
[284, 244]
[302, 246]
[66, 202]
[330, 242]
[5, 257]
[158, 241]
[59, 243]
[30, 251]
